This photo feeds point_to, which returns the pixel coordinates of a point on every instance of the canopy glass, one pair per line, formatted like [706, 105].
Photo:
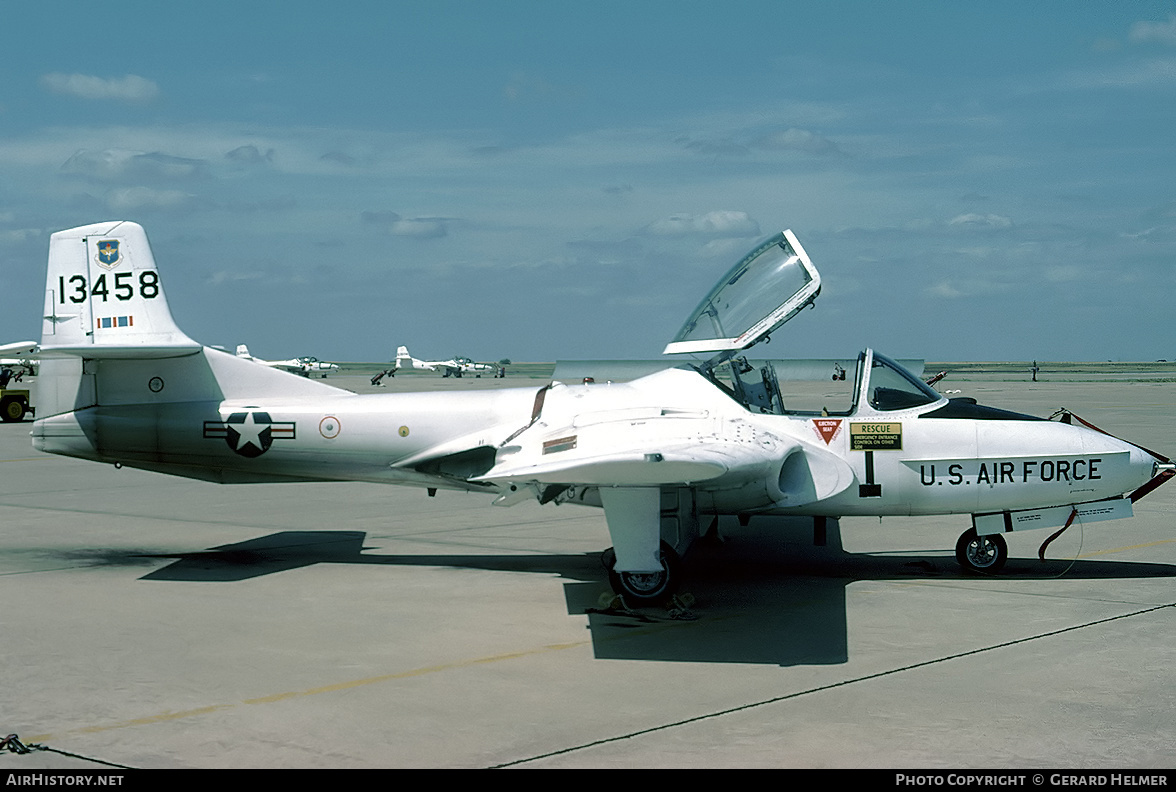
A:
[768, 286]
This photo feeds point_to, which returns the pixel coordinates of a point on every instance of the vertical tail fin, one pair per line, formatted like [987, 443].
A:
[109, 342]
[103, 296]
[119, 381]
[402, 354]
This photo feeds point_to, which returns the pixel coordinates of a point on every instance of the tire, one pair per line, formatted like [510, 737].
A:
[645, 589]
[984, 555]
[12, 410]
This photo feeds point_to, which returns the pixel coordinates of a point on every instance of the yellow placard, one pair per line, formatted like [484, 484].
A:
[875, 436]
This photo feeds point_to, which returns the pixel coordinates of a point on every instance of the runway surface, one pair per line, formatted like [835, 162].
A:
[156, 622]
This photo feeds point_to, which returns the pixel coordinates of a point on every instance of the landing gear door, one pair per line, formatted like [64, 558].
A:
[768, 286]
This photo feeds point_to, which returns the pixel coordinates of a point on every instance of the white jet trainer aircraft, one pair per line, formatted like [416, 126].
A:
[305, 365]
[24, 357]
[121, 383]
[454, 367]
[405, 362]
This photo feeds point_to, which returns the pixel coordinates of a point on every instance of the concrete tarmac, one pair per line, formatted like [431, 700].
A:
[156, 622]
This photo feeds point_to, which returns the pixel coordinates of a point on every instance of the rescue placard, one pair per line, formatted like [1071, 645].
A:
[875, 436]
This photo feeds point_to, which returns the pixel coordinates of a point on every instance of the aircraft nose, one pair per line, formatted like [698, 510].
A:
[1161, 472]
[1146, 468]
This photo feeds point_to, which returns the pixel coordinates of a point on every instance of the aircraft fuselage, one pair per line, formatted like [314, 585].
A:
[868, 463]
[121, 383]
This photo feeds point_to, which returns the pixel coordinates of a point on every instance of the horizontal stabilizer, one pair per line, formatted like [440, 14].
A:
[18, 349]
[110, 352]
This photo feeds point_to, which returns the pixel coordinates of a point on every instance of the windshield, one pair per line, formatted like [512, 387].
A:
[797, 387]
[894, 388]
[823, 387]
[768, 286]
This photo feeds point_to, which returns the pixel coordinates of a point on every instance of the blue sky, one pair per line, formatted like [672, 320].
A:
[543, 180]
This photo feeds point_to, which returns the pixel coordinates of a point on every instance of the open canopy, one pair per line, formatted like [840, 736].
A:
[768, 286]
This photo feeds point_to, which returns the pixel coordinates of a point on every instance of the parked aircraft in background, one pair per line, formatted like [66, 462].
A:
[312, 366]
[454, 367]
[15, 399]
[306, 366]
[404, 360]
[20, 358]
[664, 454]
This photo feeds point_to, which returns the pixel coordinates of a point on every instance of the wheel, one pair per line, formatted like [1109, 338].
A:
[983, 554]
[12, 410]
[642, 588]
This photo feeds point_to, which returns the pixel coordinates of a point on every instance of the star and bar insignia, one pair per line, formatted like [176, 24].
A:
[249, 434]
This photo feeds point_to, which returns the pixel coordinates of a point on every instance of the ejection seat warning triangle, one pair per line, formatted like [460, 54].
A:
[827, 428]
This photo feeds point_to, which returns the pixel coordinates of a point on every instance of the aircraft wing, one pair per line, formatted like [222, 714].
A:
[632, 468]
[19, 349]
[630, 448]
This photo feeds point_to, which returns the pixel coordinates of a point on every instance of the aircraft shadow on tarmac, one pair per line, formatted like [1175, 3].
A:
[763, 596]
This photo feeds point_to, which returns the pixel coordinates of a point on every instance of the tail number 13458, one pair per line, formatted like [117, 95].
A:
[122, 287]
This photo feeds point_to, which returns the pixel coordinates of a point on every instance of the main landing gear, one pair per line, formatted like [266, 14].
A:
[983, 555]
[645, 588]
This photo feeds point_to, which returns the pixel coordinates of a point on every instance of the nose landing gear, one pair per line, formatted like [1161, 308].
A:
[984, 555]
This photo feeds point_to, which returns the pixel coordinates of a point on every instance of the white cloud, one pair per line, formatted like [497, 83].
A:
[138, 198]
[944, 291]
[382, 218]
[718, 147]
[1065, 273]
[221, 277]
[717, 223]
[1162, 32]
[250, 155]
[116, 164]
[420, 227]
[19, 235]
[724, 249]
[131, 88]
[981, 221]
[798, 140]
[339, 158]
[523, 86]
